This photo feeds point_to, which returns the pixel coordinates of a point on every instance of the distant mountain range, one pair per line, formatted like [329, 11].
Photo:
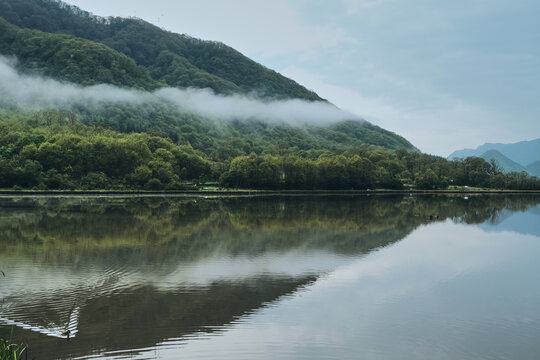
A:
[520, 156]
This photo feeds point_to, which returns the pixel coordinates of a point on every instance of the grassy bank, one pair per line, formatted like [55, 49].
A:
[9, 350]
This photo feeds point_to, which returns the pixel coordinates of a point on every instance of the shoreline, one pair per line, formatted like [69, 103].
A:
[246, 192]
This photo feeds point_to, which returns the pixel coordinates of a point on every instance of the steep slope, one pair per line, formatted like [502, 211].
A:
[505, 163]
[377, 135]
[177, 60]
[523, 152]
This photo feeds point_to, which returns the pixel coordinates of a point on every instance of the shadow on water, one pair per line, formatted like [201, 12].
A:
[130, 272]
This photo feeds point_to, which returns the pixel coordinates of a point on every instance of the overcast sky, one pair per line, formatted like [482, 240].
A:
[444, 74]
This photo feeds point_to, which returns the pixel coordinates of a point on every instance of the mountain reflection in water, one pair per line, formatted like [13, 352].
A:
[127, 273]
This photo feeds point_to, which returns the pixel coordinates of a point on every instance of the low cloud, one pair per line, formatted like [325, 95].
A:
[38, 92]
[206, 103]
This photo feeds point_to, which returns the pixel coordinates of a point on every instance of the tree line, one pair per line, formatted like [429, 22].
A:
[53, 150]
[79, 156]
[362, 169]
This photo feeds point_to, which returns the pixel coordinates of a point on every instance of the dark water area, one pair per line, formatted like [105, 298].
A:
[272, 277]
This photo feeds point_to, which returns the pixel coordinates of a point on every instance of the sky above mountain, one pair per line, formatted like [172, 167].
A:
[444, 74]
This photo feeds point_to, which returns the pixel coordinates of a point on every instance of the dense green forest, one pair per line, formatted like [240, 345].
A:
[221, 140]
[362, 168]
[54, 150]
[69, 58]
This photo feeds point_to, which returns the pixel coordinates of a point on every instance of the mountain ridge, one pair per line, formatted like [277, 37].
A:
[504, 162]
[522, 152]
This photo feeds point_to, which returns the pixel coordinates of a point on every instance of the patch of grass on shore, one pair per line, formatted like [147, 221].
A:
[9, 350]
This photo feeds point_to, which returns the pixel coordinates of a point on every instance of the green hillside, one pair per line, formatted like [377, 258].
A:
[73, 59]
[87, 62]
[176, 60]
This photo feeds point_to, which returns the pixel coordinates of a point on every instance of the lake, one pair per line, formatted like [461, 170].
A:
[272, 277]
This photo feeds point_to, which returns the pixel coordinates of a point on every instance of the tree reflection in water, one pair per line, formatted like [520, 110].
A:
[146, 269]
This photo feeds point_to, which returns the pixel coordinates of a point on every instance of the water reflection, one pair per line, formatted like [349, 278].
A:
[130, 273]
[521, 222]
[449, 291]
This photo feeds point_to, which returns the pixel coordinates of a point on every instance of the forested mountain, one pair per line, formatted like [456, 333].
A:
[147, 57]
[111, 103]
[75, 46]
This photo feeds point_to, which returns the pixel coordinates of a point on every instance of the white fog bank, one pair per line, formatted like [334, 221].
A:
[39, 92]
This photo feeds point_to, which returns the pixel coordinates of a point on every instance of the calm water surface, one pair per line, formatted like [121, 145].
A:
[314, 277]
